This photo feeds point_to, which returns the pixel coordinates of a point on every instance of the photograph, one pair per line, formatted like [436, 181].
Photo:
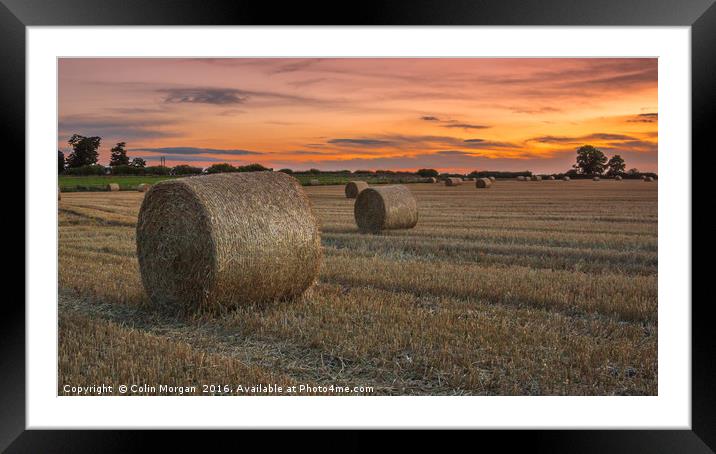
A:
[392, 226]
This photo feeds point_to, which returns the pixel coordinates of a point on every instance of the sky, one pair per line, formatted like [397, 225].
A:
[451, 114]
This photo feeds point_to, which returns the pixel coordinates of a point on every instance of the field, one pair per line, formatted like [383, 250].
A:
[527, 288]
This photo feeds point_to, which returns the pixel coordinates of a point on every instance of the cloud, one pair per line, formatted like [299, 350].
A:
[645, 118]
[464, 126]
[297, 65]
[429, 118]
[593, 136]
[197, 150]
[235, 96]
[361, 142]
[218, 96]
[115, 127]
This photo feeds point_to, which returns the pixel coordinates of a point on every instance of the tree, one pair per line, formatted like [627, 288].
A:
[590, 160]
[288, 171]
[184, 169]
[221, 168]
[428, 173]
[252, 168]
[138, 162]
[615, 166]
[119, 155]
[84, 150]
[634, 172]
[60, 162]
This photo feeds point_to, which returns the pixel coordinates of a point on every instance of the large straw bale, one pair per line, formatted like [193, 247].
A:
[224, 240]
[483, 183]
[386, 207]
[353, 188]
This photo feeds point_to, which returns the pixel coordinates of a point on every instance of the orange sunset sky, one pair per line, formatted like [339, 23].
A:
[333, 114]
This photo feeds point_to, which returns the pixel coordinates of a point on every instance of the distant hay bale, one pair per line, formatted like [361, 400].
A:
[649, 179]
[566, 178]
[536, 178]
[143, 187]
[521, 178]
[223, 240]
[551, 177]
[385, 208]
[618, 178]
[314, 182]
[432, 180]
[113, 187]
[596, 178]
[353, 188]
[492, 179]
[483, 183]
[453, 182]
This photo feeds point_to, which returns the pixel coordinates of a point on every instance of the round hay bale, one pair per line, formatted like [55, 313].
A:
[565, 178]
[113, 187]
[385, 208]
[353, 188]
[551, 177]
[432, 180]
[142, 187]
[492, 179]
[314, 182]
[649, 179]
[223, 240]
[483, 183]
[453, 182]
[536, 178]
[618, 178]
[595, 179]
[521, 178]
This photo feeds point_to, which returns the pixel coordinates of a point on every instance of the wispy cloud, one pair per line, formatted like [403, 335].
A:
[126, 128]
[594, 136]
[219, 96]
[197, 150]
[361, 142]
[464, 126]
[645, 118]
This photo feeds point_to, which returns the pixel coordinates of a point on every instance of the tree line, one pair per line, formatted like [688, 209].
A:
[83, 158]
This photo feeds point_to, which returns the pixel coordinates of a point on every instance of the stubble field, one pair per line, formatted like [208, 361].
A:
[526, 288]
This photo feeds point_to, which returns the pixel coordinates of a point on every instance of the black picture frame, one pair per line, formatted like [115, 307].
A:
[700, 15]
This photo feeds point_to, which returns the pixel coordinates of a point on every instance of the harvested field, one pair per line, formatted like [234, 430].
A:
[523, 290]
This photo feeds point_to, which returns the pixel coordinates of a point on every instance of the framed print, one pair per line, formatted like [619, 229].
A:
[420, 216]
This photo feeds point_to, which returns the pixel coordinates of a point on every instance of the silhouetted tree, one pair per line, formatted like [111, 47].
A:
[428, 173]
[221, 168]
[119, 155]
[590, 160]
[60, 162]
[185, 169]
[84, 150]
[252, 168]
[615, 166]
[138, 162]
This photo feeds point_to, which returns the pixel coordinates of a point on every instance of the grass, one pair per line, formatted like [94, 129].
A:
[99, 183]
[539, 288]
[130, 182]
